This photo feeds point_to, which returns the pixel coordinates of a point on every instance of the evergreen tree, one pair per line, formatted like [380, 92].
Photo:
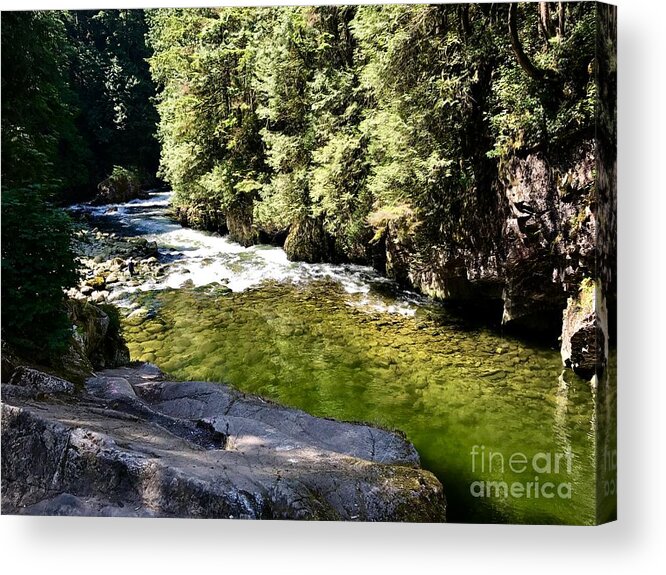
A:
[40, 154]
[212, 152]
[40, 142]
[110, 76]
[350, 116]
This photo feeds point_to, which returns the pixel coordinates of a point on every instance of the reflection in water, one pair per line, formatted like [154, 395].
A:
[606, 444]
[341, 341]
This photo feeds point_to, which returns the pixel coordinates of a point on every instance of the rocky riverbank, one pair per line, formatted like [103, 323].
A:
[133, 442]
[90, 435]
[109, 261]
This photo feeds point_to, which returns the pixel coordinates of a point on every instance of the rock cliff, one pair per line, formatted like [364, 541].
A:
[554, 236]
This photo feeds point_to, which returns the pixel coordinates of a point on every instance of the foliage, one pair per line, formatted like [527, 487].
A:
[312, 105]
[209, 131]
[40, 143]
[37, 263]
[124, 177]
[77, 98]
[75, 101]
[339, 112]
[529, 113]
[40, 154]
[109, 73]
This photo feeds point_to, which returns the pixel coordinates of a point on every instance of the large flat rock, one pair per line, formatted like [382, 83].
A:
[137, 444]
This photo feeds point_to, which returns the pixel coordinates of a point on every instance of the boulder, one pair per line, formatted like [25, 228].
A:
[307, 241]
[39, 382]
[240, 222]
[399, 241]
[119, 188]
[208, 218]
[139, 444]
[96, 340]
[99, 296]
[96, 283]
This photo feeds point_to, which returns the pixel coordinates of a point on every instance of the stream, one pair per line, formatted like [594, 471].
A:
[484, 409]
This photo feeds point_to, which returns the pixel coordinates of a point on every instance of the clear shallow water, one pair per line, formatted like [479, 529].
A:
[340, 341]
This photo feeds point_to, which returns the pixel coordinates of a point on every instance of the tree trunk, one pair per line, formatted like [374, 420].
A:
[525, 63]
[561, 17]
[544, 20]
[464, 19]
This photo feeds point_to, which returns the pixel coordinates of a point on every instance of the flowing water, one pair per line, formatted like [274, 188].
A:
[510, 434]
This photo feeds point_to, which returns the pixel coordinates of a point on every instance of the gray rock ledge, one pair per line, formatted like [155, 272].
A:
[135, 443]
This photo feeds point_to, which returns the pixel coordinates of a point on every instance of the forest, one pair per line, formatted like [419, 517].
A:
[463, 153]
[331, 123]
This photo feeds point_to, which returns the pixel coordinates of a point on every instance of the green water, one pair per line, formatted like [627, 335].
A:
[449, 384]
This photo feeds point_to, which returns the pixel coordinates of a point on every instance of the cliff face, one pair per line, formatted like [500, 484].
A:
[554, 264]
[606, 160]
[549, 245]
[546, 247]
[549, 235]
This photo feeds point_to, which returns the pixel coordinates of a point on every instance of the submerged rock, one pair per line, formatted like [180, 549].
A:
[138, 444]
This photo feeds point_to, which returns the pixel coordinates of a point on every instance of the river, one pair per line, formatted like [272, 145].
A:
[485, 410]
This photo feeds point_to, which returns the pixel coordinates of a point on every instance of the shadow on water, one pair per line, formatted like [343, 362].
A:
[487, 314]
